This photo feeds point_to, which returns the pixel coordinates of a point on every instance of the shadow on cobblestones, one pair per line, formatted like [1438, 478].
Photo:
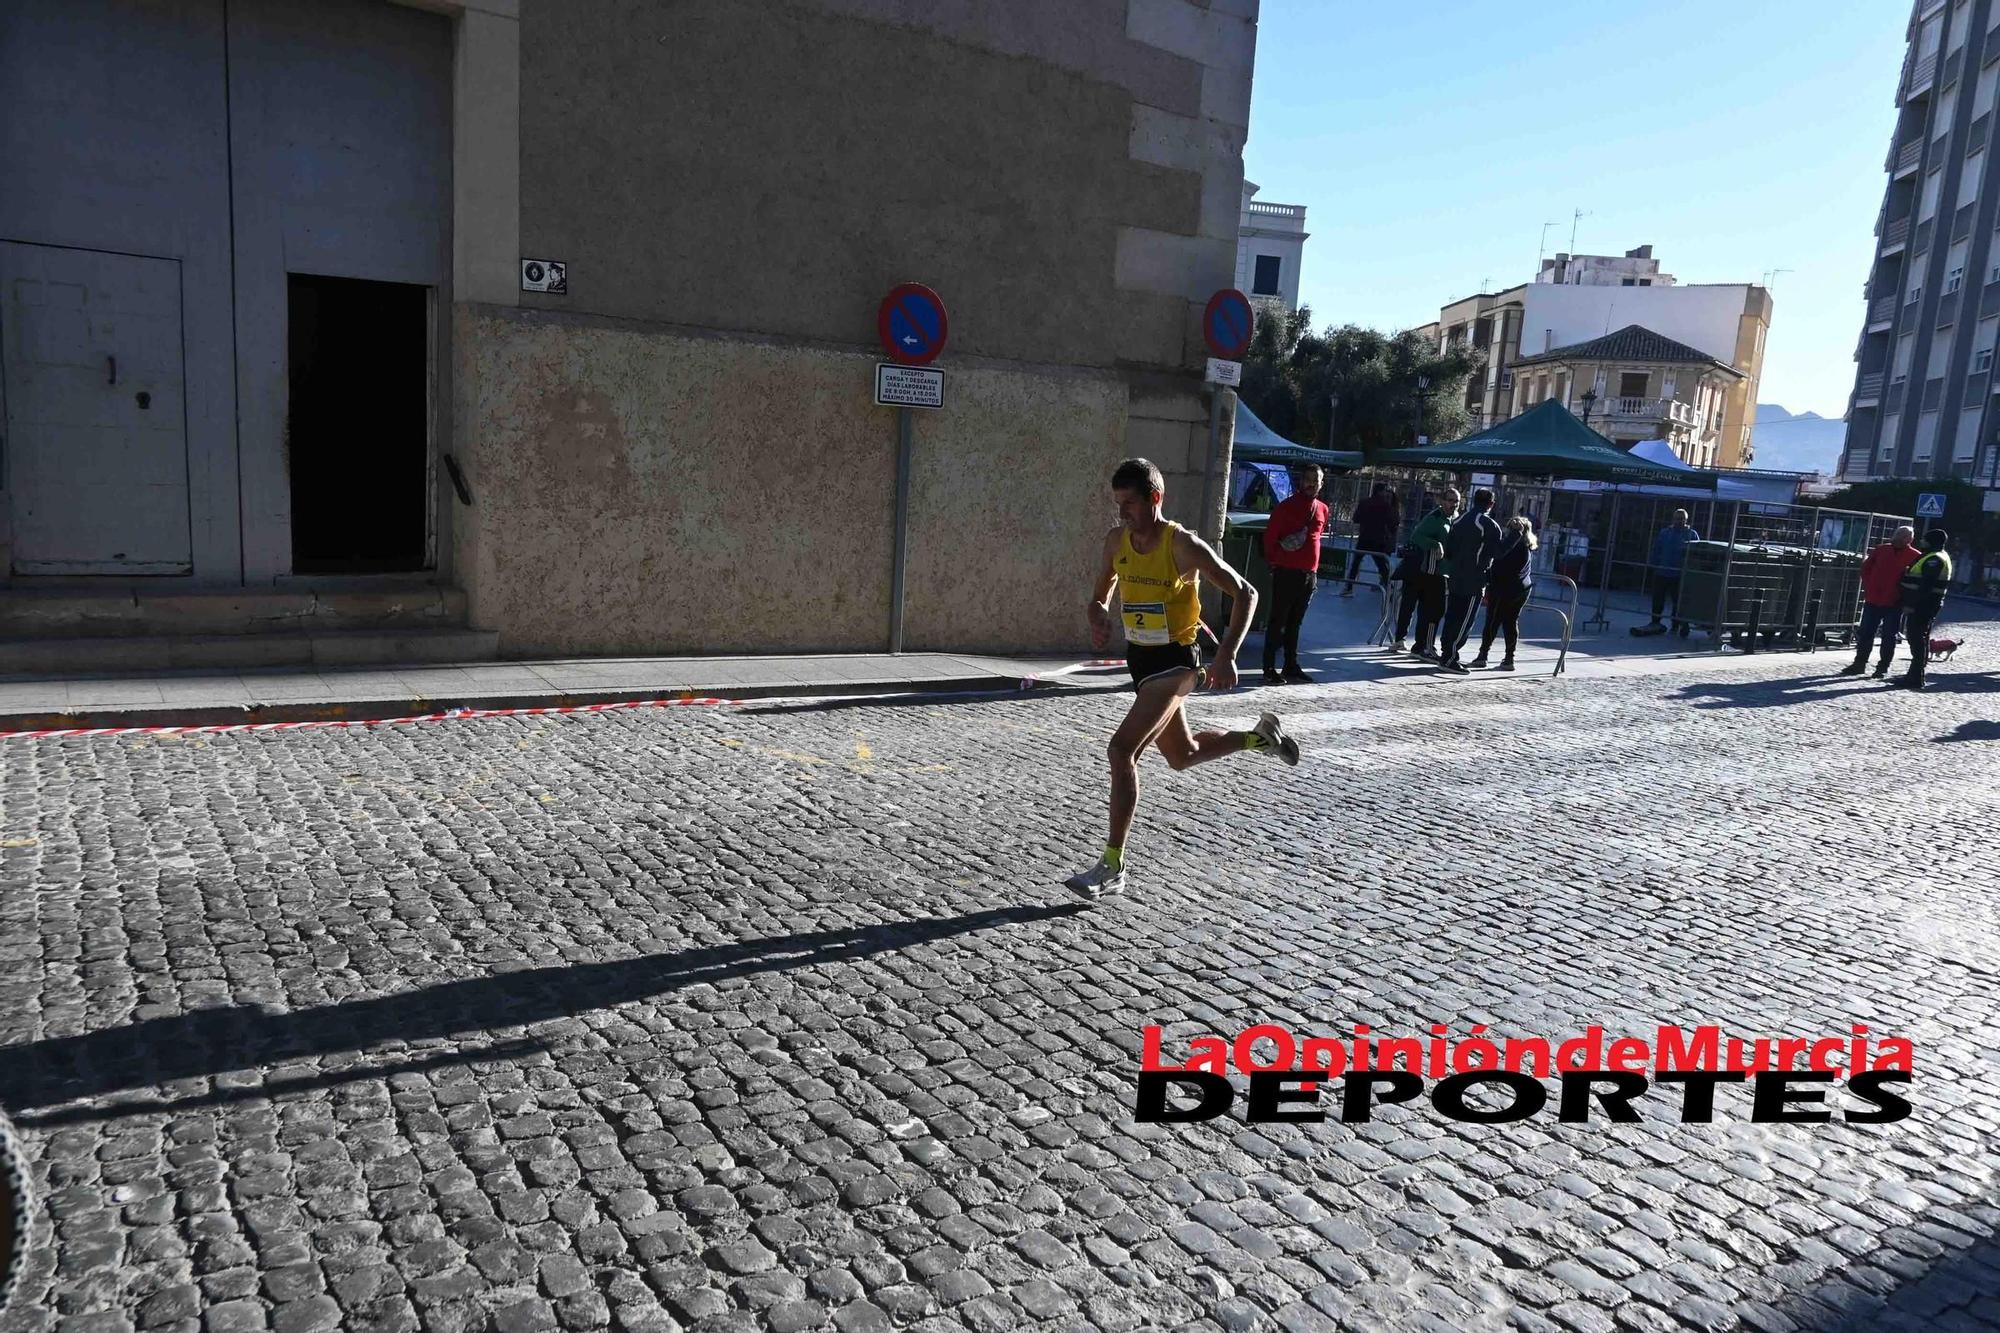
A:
[1971, 731]
[1816, 688]
[1985, 682]
[1959, 1290]
[211, 1041]
[251, 1086]
[931, 699]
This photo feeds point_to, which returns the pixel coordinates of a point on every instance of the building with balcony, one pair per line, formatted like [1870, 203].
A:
[1576, 298]
[1271, 242]
[1933, 288]
[1636, 385]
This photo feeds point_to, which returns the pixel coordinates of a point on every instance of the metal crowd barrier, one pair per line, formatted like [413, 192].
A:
[1344, 561]
[1385, 628]
[1568, 617]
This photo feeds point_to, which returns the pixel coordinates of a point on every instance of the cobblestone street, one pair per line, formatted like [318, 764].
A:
[778, 1015]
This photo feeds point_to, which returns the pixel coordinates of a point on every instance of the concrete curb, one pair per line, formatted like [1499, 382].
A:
[832, 688]
[378, 710]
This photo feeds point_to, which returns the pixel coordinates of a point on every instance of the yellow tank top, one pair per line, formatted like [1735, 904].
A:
[1160, 604]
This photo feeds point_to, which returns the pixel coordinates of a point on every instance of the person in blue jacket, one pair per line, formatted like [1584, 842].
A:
[1669, 553]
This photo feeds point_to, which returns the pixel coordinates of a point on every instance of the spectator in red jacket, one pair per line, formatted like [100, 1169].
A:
[1291, 548]
[1882, 599]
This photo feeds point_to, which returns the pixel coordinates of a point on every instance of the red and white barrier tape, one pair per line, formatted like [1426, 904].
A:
[1029, 682]
[451, 714]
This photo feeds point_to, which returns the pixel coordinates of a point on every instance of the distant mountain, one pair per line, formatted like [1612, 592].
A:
[1807, 442]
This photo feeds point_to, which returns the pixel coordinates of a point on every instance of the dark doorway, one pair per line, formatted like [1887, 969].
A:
[358, 429]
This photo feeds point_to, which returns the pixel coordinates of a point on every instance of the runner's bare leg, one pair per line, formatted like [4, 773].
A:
[1184, 748]
[1159, 701]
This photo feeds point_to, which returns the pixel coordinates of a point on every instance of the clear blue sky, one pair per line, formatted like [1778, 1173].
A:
[1431, 139]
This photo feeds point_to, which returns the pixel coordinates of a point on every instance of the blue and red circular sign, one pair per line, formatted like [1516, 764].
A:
[1228, 323]
[912, 324]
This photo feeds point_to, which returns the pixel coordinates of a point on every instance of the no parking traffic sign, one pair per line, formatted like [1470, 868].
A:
[1228, 323]
[912, 324]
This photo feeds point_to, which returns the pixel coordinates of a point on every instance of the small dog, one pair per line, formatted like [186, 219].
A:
[1942, 649]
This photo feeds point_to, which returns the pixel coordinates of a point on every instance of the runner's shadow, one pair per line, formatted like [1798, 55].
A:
[211, 1041]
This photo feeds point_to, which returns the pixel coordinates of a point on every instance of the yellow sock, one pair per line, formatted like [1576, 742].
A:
[1114, 857]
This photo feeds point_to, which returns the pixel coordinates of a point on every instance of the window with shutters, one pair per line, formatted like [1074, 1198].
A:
[1933, 184]
[1905, 349]
[1926, 438]
[1967, 438]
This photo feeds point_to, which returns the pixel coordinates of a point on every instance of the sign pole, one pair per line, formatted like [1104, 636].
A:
[905, 432]
[913, 326]
[1227, 325]
[1208, 464]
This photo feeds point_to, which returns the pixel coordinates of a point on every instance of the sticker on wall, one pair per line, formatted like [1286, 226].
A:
[545, 275]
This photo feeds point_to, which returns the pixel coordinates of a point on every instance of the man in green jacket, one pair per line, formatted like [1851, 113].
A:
[1924, 585]
[1423, 575]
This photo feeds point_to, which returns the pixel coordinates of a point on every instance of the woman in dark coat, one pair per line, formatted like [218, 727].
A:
[1508, 584]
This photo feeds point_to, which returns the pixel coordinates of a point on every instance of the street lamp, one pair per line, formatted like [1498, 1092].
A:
[1589, 401]
[1423, 403]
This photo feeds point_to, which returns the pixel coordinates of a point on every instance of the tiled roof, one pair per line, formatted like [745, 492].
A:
[1634, 342]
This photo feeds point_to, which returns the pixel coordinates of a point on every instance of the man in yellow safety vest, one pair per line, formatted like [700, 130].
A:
[1924, 586]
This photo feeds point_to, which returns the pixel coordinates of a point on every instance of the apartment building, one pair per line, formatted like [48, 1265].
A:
[1575, 299]
[1923, 390]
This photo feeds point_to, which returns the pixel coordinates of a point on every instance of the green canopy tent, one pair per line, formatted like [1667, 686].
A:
[1548, 441]
[1258, 443]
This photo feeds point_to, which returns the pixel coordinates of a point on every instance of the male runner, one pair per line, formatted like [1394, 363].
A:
[1156, 567]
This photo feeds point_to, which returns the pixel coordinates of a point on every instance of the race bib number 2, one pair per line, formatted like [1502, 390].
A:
[1146, 622]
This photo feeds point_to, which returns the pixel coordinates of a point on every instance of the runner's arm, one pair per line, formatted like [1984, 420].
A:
[1099, 610]
[1190, 549]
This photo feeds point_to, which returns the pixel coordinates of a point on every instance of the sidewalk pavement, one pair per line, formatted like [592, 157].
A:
[1334, 647]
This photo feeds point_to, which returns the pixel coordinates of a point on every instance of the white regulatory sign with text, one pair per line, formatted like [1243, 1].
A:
[908, 386]
[1227, 373]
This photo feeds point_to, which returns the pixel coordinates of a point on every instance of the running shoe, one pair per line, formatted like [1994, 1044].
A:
[1275, 740]
[1100, 881]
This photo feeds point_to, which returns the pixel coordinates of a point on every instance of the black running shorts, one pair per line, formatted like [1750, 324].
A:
[1146, 660]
